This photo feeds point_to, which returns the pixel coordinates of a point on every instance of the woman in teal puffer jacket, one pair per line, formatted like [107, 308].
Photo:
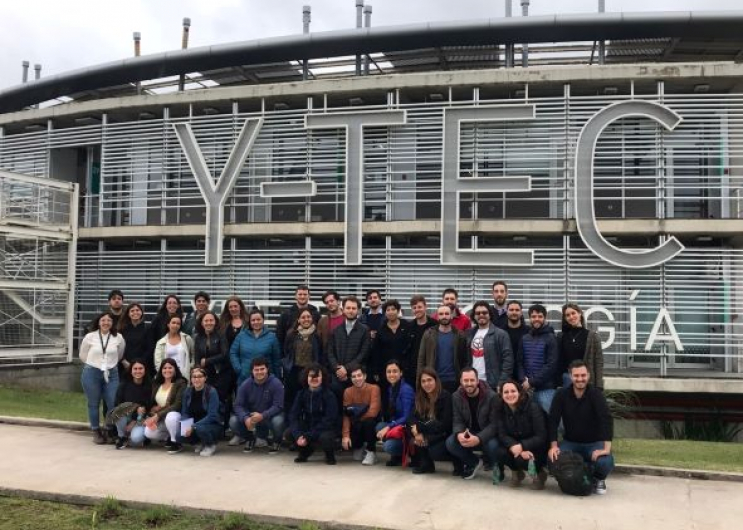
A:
[255, 342]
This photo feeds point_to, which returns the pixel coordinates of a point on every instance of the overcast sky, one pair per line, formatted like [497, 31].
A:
[71, 34]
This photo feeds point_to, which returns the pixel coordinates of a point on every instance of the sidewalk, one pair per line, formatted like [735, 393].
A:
[67, 462]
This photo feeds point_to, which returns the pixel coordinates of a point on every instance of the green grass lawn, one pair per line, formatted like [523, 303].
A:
[683, 454]
[25, 514]
[49, 404]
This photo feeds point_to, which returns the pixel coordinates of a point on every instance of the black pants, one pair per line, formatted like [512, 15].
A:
[326, 441]
[364, 432]
[506, 458]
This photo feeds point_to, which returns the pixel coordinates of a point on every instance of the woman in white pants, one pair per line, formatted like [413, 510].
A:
[163, 422]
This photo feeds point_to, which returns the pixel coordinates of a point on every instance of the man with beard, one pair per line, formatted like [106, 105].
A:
[418, 326]
[537, 358]
[349, 343]
[444, 348]
[489, 348]
[475, 408]
[499, 311]
[373, 314]
[332, 320]
[584, 412]
[515, 327]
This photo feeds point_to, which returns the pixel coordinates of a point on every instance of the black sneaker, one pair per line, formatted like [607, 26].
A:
[302, 458]
[273, 448]
[330, 458]
[168, 444]
[249, 446]
[471, 472]
[121, 442]
[394, 461]
[175, 448]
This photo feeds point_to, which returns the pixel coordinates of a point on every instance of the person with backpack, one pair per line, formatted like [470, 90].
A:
[584, 412]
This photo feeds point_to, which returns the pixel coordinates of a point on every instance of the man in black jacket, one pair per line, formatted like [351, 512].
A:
[489, 348]
[349, 343]
[475, 408]
[588, 424]
[498, 311]
[289, 317]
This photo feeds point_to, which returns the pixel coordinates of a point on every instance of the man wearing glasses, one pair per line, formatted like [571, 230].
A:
[489, 348]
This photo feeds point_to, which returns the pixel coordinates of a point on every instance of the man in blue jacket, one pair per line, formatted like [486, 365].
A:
[259, 408]
[537, 358]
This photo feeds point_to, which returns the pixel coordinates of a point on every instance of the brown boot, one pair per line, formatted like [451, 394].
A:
[98, 437]
[516, 478]
[537, 482]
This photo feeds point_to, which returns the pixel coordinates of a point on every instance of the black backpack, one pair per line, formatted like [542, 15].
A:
[573, 474]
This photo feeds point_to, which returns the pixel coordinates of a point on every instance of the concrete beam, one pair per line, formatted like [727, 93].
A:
[691, 386]
[505, 227]
[356, 85]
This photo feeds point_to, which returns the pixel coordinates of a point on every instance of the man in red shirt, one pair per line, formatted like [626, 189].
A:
[459, 320]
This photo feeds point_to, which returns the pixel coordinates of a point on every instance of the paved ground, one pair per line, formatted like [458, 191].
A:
[58, 461]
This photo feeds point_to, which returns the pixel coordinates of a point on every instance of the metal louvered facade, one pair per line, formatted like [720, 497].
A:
[142, 214]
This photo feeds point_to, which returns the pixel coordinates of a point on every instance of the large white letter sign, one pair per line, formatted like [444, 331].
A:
[453, 185]
[354, 123]
[216, 195]
[585, 214]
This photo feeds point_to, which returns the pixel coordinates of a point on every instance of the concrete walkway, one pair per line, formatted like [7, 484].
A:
[67, 462]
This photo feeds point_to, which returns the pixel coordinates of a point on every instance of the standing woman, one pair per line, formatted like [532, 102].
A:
[136, 335]
[522, 437]
[430, 422]
[201, 404]
[163, 421]
[399, 405]
[175, 345]
[136, 389]
[159, 325]
[303, 347]
[100, 351]
[579, 342]
[233, 320]
[252, 343]
[212, 354]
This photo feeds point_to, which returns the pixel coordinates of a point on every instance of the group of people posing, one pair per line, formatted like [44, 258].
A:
[481, 390]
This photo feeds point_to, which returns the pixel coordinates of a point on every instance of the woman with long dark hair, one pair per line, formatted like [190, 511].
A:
[233, 320]
[399, 405]
[100, 351]
[522, 437]
[163, 421]
[578, 342]
[136, 390]
[430, 422]
[136, 335]
[175, 345]
[302, 348]
[159, 326]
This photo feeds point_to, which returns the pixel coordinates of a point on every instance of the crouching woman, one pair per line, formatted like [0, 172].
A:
[164, 418]
[202, 409]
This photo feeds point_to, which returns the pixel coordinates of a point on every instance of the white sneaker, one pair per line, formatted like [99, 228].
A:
[261, 442]
[236, 440]
[198, 448]
[358, 455]
[369, 459]
[209, 450]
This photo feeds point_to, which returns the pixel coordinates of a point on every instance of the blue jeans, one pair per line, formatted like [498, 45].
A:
[96, 389]
[601, 467]
[136, 435]
[544, 398]
[466, 455]
[206, 433]
[275, 425]
[392, 446]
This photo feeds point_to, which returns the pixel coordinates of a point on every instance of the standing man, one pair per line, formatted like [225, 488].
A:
[393, 342]
[475, 408]
[362, 404]
[418, 326]
[349, 343]
[115, 307]
[537, 358]
[332, 319]
[259, 408]
[289, 317]
[490, 348]
[444, 348]
[515, 327]
[589, 427]
[201, 302]
[459, 320]
[499, 314]
[373, 314]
